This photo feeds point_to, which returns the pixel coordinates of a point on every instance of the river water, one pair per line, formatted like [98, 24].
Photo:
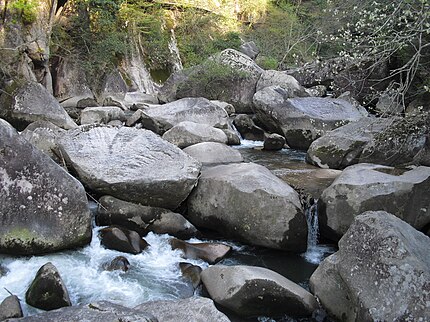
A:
[155, 274]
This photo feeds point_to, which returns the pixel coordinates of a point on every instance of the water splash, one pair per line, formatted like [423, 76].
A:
[153, 274]
[174, 51]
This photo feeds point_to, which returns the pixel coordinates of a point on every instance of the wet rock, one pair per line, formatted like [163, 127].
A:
[283, 80]
[47, 291]
[380, 273]
[250, 291]
[232, 77]
[301, 120]
[250, 49]
[122, 239]
[10, 308]
[173, 224]
[113, 211]
[209, 252]
[102, 311]
[232, 137]
[247, 128]
[344, 146]
[43, 135]
[198, 110]
[273, 142]
[191, 272]
[32, 102]
[3, 270]
[363, 187]
[192, 309]
[119, 263]
[209, 153]
[246, 201]
[131, 164]
[52, 205]
[101, 115]
[188, 133]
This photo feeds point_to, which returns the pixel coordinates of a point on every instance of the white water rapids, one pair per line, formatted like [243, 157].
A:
[153, 274]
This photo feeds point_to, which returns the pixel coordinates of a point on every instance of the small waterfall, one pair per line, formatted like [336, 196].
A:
[173, 48]
[312, 221]
[314, 254]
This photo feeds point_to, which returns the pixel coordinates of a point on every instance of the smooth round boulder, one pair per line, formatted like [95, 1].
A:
[209, 252]
[196, 309]
[30, 102]
[246, 201]
[42, 207]
[188, 133]
[380, 273]
[210, 153]
[283, 80]
[364, 187]
[47, 291]
[122, 239]
[131, 164]
[119, 263]
[173, 224]
[191, 272]
[247, 128]
[10, 308]
[301, 120]
[251, 291]
[273, 142]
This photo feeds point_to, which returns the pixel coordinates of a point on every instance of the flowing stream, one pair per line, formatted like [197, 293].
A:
[155, 274]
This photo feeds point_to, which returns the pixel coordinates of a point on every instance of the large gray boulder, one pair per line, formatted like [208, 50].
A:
[209, 252]
[283, 80]
[32, 102]
[246, 201]
[130, 164]
[113, 211]
[372, 140]
[122, 239]
[43, 135]
[198, 110]
[247, 128]
[42, 207]
[193, 309]
[301, 120]
[363, 187]
[188, 133]
[210, 153]
[380, 273]
[47, 291]
[250, 290]
[229, 76]
[102, 311]
[101, 114]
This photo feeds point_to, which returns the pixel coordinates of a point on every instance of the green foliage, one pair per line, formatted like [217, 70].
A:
[26, 10]
[267, 62]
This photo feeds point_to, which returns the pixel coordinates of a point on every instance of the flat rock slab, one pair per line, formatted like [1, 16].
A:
[194, 309]
[131, 164]
[42, 207]
[102, 311]
[364, 186]
[246, 201]
[251, 290]
[210, 153]
[380, 273]
[198, 110]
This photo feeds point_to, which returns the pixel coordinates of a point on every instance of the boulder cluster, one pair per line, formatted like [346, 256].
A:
[165, 164]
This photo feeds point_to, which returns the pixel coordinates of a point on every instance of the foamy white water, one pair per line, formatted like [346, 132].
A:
[153, 274]
[249, 144]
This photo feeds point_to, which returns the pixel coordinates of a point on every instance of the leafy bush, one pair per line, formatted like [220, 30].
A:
[26, 10]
